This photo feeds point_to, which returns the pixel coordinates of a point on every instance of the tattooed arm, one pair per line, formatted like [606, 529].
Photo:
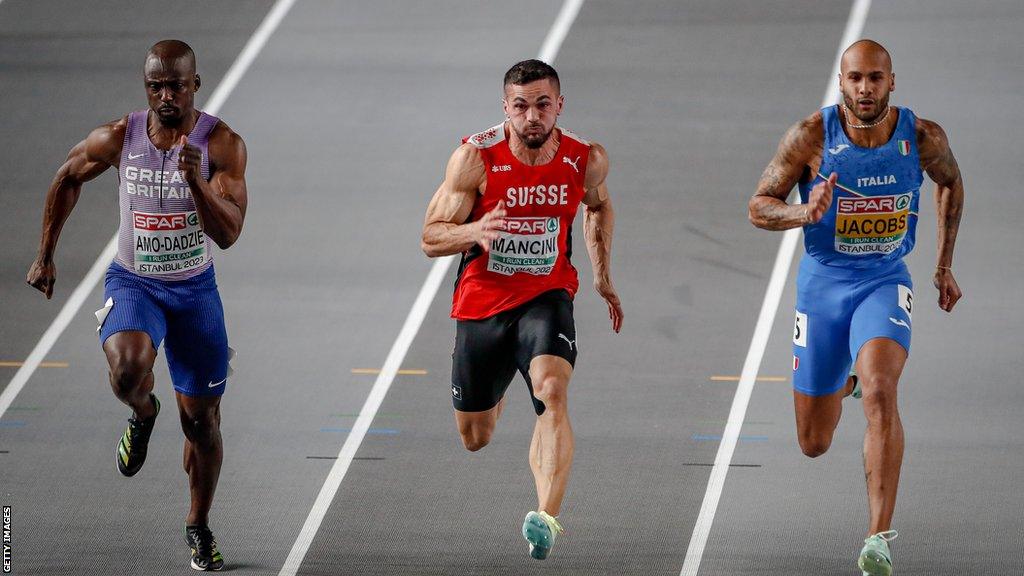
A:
[798, 148]
[938, 161]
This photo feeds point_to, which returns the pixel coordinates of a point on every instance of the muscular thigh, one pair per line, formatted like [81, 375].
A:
[130, 306]
[483, 363]
[546, 336]
[197, 343]
[821, 331]
[883, 311]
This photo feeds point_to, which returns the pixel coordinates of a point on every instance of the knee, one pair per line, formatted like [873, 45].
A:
[879, 399]
[127, 372]
[553, 392]
[201, 428]
[814, 445]
[475, 440]
[475, 435]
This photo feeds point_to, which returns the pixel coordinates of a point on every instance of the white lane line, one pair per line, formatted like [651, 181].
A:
[772, 296]
[559, 30]
[248, 54]
[552, 43]
[96, 272]
[64, 317]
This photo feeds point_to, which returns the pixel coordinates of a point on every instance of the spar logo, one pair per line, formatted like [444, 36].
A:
[165, 222]
[530, 226]
[875, 205]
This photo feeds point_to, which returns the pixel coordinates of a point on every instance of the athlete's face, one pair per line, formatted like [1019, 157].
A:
[532, 110]
[866, 79]
[171, 86]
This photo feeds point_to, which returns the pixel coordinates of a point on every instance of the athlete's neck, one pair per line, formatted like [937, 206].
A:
[872, 134]
[534, 156]
[165, 137]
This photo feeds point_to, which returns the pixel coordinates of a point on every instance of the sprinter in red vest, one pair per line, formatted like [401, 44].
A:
[507, 203]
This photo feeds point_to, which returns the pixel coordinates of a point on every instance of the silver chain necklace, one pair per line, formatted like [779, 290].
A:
[846, 113]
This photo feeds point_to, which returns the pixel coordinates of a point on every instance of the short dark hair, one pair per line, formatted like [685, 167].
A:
[530, 71]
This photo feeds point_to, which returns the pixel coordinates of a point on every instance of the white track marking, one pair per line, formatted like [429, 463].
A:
[99, 267]
[548, 51]
[559, 30]
[772, 296]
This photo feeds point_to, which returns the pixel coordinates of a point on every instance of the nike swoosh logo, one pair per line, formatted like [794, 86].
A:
[839, 148]
[899, 322]
[212, 385]
[134, 156]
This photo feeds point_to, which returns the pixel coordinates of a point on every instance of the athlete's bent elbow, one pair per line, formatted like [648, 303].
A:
[752, 216]
[227, 239]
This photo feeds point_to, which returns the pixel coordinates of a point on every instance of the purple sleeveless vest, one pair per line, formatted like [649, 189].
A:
[160, 236]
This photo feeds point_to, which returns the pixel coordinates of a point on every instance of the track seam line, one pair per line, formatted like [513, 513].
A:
[762, 331]
[549, 49]
[95, 274]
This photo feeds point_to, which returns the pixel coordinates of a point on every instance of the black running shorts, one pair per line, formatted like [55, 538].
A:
[488, 352]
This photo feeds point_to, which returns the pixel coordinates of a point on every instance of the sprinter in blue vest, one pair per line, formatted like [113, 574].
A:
[859, 165]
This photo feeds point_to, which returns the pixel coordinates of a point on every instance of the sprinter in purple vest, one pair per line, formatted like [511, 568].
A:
[182, 182]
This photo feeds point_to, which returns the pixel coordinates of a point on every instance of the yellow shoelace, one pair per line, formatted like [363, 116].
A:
[556, 527]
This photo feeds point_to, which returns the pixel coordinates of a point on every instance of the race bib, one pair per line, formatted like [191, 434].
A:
[526, 245]
[168, 243]
[871, 225]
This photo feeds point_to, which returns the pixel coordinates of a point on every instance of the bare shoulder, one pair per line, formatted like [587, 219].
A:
[597, 165]
[806, 136]
[226, 147]
[105, 142]
[930, 136]
[933, 149]
[465, 169]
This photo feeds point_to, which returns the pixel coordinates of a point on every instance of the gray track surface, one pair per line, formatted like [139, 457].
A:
[959, 508]
[349, 114]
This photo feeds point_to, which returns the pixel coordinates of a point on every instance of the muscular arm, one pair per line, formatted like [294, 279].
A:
[938, 161]
[221, 201]
[445, 230]
[598, 228]
[598, 217]
[100, 150]
[768, 208]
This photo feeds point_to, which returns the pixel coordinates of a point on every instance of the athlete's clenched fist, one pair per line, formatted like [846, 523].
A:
[190, 161]
[490, 225]
[820, 200]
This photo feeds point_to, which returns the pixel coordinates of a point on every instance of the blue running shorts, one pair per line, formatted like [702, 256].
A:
[837, 311]
[187, 313]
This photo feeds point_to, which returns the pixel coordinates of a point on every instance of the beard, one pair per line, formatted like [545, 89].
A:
[171, 118]
[881, 105]
[534, 141]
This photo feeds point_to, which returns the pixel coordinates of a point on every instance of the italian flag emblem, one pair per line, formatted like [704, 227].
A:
[904, 147]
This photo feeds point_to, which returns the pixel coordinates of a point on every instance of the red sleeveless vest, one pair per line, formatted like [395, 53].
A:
[532, 254]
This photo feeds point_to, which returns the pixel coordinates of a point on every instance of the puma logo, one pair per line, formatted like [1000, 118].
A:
[566, 338]
[572, 163]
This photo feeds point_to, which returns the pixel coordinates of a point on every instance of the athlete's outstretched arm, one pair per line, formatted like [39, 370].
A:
[222, 201]
[598, 227]
[938, 161]
[100, 150]
[768, 208]
[445, 230]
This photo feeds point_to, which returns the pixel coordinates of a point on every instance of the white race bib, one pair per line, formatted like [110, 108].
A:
[168, 243]
[526, 245]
